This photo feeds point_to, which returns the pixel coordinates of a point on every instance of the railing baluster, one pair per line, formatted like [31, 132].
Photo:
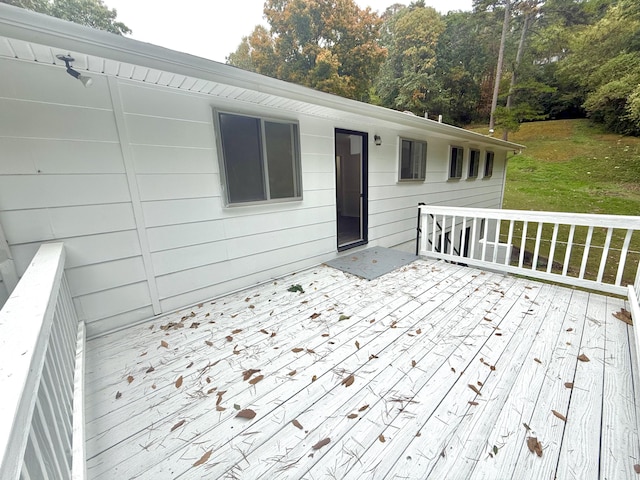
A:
[523, 243]
[623, 256]
[552, 248]
[507, 256]
[434, 225]
[485, 235]
[536, 249]
[443, 229]
[474, 226]
[496, 241]
[463, 237]
[585, 254]
[605, 254]
[567, 254]
[453, 235]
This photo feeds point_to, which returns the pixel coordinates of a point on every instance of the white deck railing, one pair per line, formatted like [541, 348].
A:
[40, 363]
[599, 252]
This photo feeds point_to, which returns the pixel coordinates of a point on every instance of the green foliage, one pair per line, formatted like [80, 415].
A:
[330, 45]
[92, 13]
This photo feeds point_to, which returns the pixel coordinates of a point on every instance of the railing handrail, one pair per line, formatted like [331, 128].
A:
[25, 327]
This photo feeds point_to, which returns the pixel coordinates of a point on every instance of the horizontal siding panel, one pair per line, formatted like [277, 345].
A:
[103, 276]
[383, 218]
[177, 186]
[171, 132]
[36, 225]
[174, 212]
[155, 102]
[107, 303]
[116, 322]
[255, 224]
[319, 163]
[393, 228]
[30, 81]
[319, 181]
[158, 159]
[270, 263]
[314, 144]
[44, 120]
[169, 261]
[38, 191]
[36, 155]
[176, 236]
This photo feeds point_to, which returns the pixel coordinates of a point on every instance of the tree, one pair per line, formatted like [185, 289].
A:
[331, 45]
[407, 80]
[92, 13]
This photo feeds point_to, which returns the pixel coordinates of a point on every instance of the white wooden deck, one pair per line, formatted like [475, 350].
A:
[393, 386]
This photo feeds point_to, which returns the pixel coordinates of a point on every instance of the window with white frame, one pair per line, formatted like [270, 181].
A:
[488, 164]
[413, 159]
[260, 158]
[474, 163]
[455, 162]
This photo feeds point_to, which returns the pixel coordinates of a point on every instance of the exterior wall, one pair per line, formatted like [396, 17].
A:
[126, 175]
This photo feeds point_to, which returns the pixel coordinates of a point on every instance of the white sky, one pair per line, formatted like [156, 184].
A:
[214, 28]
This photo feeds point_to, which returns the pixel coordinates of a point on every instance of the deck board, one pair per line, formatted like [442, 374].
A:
[414, 340]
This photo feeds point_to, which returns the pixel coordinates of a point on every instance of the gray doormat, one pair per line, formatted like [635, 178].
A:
[372, 262]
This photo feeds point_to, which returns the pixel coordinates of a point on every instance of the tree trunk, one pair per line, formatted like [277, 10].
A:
[496, 86]
[523, 37]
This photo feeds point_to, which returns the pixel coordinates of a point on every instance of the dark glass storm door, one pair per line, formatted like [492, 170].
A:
[351, 188]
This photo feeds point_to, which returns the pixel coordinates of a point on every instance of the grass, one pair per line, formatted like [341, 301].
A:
[573, 166]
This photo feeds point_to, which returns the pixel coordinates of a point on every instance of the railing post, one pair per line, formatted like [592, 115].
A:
[419, 227]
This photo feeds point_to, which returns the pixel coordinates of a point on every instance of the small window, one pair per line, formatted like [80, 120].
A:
[455, 165]
[413, 159]
[474, 163]
[260, 158]
[488, 164]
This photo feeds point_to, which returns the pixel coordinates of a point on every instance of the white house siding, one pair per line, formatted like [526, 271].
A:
[76, 166]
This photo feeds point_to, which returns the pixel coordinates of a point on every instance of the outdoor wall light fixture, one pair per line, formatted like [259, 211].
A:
[86, 81]
[377, 140]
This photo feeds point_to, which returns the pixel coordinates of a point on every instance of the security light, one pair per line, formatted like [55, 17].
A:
[86, 81]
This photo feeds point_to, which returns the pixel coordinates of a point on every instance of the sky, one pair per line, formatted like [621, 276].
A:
[214, 28]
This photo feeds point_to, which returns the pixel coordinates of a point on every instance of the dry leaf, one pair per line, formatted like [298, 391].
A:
[636, 468]
[179, 382]
[153, 386]
[220, 408]
[527, 427]
[292, 373]
[255, 380]
[297, 350]
[130, 379]
[194, 325]
[413, 363]
[143, 354]
[325, 335]
[475, 389]
[211, 390]
[264, 331]
[314, 378]
[473, 403]
[246, 375]
[381, 438]
[492, 367]
[164, 344]
[624, 315]
[534, 446]
[419, 331]
[568, 384]
[559, 415]
[358, 345]
[229, 338]
[150, 369]
[118, 395]
[297, 424]
[208, 342]
[273, 334]
[344, 317]
[237, 330]
[190, 365]
[178, 425]
[321, 443]
[246, 413]
[315, 315]
[310, 351]
[347, 382]
[363, 408]
[537, 360]
[352, 415]
[569, 329]
[203, 459]
[583, 358]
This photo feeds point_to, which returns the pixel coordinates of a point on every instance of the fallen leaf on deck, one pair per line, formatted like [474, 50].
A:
[246, 375]
[273, 334]
[179, 382]
[236, 406]
[190, 365]
[418, 434]
[583, 358]
[130, 379]
[636, 468]
[363, 408]
[314, 378]
[150, 369]
[118, 395]
[559, 415]
[473, 403]
[209, 342]
[246, 413]
[255, 380]
[480, 383]
[164, 344]
[498, 334]
[297, 424]
[220, 408]
[527, 427]
[492, 367]
[568, 384]
[203, 459]
[310, 350]
[495, 450]
[534, 446]
[347, 382]
[381, 438]
[352, 415]
[143, 354]
[153, 386]
[413, 363]
[264, 331]
[321, 443]
[344, 317]
[475, 389]
[315, 315]
[229, 338]
[178, 425]
[237, 330]
[325, 334]
[358, 345]
[372, 320]
[453, 370]
[211, 390]
[372, 356]
[487, 319]
[194, 325]
[569, 329]
[537, 360]
[297, 350]
[624, 315]
[292, 373]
